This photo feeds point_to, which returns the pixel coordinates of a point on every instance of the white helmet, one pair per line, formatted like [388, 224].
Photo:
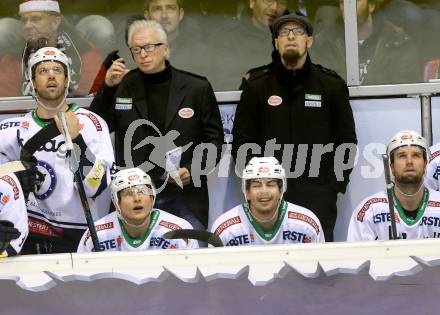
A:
[407, 138]
[48, 54]
[264, 167]
[129, 178]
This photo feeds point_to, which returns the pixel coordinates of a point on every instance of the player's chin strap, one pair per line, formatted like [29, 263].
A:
[409, 195]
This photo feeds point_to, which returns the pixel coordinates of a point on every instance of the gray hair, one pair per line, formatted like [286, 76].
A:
[140, 25]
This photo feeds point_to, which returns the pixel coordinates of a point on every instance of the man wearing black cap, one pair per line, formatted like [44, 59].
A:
[305, 109]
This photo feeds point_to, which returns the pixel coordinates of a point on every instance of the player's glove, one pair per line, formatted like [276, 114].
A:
[31, 178]
[7, 234]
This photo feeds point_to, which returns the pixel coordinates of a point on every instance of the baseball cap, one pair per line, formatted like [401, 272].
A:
[292, 17]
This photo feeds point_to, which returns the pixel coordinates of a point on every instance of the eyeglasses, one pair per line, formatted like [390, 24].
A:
[280, 2]
[136, 50]
[298, 31]
[54, 70]
[137, 190]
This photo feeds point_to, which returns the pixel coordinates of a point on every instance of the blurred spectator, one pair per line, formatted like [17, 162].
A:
[238, 45]
[99, 31]
[187, 50]
[43, 25]
[381, 44]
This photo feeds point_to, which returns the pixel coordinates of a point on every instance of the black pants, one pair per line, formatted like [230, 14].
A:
[319, 199]
[35, 245]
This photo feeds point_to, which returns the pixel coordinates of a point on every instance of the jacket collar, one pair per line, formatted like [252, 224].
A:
[176, 95]
[293, 75]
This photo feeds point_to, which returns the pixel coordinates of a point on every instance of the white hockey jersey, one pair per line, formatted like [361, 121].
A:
[432, 179]
[55, 211]
[13, 208]
[113, 237]
[295, 225]
[372, 221]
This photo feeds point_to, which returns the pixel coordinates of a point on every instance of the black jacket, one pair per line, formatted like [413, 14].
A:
[122, 106]
[309, 106]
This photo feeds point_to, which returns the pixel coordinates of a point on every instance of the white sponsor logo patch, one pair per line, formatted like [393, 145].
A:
[123, 106]
[186, 112]
[124, 100]
[274, 100]
[312, 104]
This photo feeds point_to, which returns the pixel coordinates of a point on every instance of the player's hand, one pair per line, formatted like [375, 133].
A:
[116, 72]
[184, 175]
[72, 122]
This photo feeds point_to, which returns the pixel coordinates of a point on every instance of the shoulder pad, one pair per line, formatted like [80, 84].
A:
[257, 72]
[328, 71]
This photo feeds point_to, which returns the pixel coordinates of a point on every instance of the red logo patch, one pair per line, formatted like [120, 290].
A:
[25, 124]
[133, 177]
[186, 112]
[263, 169]
[5, 199]
[226, 224]
[366, 206]
[274, 100]
[304, 218]
[11, 182]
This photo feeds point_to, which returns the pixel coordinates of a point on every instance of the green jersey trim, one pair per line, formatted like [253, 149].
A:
[267, 236]
[72, 107]
[136, 242]
[420, 211]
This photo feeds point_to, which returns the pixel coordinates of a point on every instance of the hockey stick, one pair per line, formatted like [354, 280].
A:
[74, 167]
[11, 167]
[200, 235]
[390, 186]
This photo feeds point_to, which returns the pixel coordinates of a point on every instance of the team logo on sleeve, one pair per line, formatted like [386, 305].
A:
[25, 124]
[13, 184]
[50, 180]
[4, 199]
[226, 224]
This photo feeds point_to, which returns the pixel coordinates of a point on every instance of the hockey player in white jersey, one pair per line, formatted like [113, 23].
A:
[416, 207]
[135, 225]
[432, 178]
[56, 218]
[12, 215]
[265, 217]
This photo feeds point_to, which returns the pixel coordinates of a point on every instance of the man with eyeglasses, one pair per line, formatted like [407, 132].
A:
[43, 25]
[239, 45]
[175, 107]
[298, 104]
[135, 225]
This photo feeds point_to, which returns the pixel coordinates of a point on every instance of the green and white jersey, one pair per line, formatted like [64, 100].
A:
[55, 211]
[372, 220]
[113, 237]
[295, 224]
